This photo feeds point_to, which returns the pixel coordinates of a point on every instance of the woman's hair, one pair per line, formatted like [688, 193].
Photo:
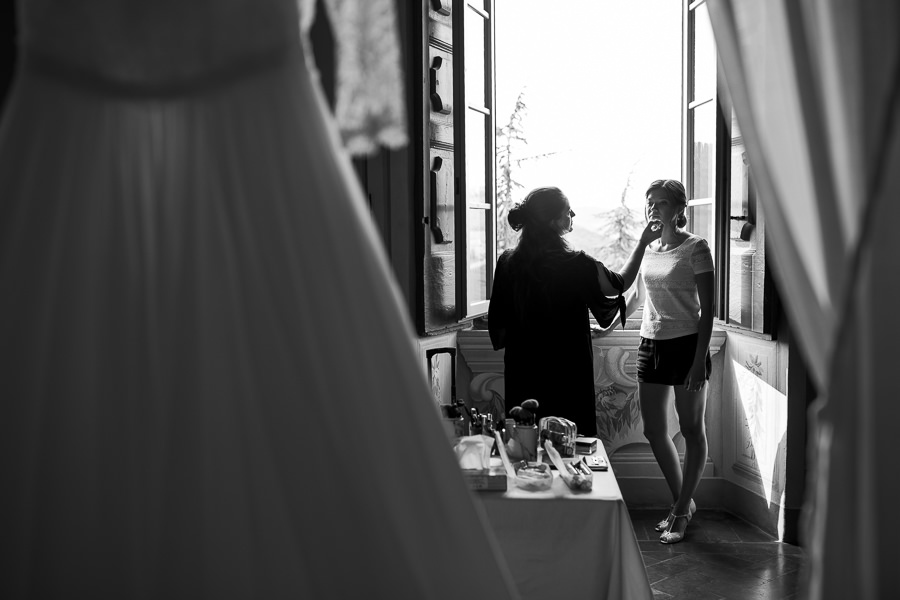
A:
[538, 241]
[538, 210]
[675, 191]
[534, 217]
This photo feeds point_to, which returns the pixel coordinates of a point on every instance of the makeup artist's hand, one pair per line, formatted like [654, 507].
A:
[649, 234]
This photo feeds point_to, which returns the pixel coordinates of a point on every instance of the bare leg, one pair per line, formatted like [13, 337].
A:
[691, 408]
[654, 400]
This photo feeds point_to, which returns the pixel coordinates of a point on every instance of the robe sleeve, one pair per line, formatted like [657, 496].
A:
[604, 308]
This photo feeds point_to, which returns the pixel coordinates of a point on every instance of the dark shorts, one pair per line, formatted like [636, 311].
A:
[668, 362]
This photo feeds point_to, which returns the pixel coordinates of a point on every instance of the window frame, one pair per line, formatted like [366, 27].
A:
[441, 204]
[720, 199]
[471, 308]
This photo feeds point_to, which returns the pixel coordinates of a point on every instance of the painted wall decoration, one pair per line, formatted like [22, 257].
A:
[754, 426]
[759, 421]
[442, 374]
[615, 390]
[617, 406]
[486, 392]
[616, 401]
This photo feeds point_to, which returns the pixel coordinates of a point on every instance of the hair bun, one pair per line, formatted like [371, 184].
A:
[516, 217]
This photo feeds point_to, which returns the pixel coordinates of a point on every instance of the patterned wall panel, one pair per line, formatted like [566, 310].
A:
[757, 415]
[615, 383]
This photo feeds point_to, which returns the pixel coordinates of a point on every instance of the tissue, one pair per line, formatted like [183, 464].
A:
[474, 451]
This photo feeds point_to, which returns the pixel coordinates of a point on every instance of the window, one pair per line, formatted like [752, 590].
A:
[722, 203]
[593, 105]
[457, 237]
[701, 119]
[479, 149]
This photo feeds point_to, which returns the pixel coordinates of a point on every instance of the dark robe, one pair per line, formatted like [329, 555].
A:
[544, 327]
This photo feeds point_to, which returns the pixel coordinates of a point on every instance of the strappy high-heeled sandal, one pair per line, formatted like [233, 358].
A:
[665, 523]
[673, 537]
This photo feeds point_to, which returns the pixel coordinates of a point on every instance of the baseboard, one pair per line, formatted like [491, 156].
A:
[642, 464]
[751, 507]
[713, 493]
[643, 485]
[652, 492]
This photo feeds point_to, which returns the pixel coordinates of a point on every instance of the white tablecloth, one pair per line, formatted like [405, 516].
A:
[563, 544]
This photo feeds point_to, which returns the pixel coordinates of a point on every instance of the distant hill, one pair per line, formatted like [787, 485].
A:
[586, 236]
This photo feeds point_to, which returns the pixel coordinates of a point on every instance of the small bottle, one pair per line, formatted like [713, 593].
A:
[455, 424]
[461, 427]
[510, 427]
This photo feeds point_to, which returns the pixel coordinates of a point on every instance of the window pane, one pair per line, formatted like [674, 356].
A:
[746, 268]
[476, 146]
[475, 58]
[476, 224]
[704, 55]
[740, 200]
[700, 222]
[476, 240]
[742, 280]
[704, 151]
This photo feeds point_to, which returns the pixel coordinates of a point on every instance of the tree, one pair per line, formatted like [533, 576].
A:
[509, 138]
[621, 229]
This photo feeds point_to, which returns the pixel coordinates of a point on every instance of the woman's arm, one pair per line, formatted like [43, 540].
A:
[633, 300]
[705, 287]
[632, 265]
[636, 296]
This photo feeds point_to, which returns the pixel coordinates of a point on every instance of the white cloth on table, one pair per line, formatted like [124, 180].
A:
[564, 544]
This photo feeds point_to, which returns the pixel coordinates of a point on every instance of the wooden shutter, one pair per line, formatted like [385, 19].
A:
[437, 307]
[445, 281]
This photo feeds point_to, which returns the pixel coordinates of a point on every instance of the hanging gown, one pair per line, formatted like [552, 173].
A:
[207, 377]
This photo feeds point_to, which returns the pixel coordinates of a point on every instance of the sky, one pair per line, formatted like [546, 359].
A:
[602, 82]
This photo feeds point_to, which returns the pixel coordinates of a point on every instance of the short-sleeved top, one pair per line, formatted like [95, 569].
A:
[545, 330]
[672, 306]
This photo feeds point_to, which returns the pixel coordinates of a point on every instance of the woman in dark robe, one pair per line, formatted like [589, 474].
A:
[542, 294]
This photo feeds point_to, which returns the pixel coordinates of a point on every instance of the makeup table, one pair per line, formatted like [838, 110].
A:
[564, 544]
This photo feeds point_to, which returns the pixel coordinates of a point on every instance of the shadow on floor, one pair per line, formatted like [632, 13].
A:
[721, 558]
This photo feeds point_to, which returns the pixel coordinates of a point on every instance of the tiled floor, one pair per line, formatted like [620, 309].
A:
[722, 557]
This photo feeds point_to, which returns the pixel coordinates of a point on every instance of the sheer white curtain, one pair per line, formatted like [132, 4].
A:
[815, 88]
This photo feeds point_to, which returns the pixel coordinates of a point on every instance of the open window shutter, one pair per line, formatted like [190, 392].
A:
[437, 235]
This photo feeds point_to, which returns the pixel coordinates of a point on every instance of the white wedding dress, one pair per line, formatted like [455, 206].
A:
[207, 376]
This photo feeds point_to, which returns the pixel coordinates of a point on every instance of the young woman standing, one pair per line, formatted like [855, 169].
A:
[673, 356]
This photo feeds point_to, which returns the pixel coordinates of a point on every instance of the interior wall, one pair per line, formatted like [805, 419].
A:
[754, 428]
[765, 398]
